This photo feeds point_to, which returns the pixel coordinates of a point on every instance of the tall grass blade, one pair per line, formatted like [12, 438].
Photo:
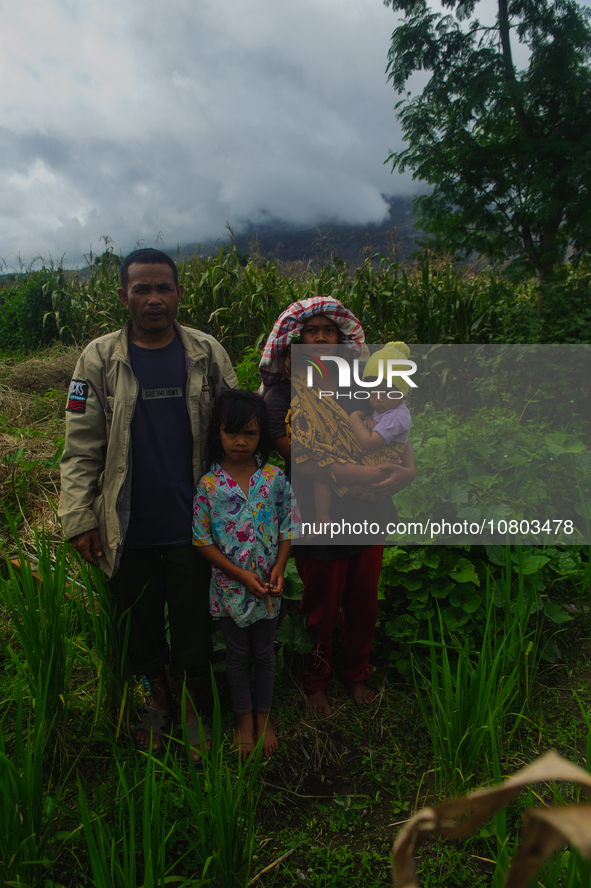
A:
[106, 642]
[127, 843]
[223, 798]
[26, 807]
[469, 694]
[43, 620]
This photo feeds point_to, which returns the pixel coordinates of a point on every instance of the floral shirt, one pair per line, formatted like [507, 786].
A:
[248, 532]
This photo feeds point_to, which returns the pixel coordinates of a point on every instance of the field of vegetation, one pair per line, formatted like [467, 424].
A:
[482, 652]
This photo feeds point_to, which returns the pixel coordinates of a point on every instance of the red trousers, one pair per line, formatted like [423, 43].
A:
[348, 586]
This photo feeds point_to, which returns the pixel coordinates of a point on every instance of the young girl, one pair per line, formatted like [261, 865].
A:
[244, 516]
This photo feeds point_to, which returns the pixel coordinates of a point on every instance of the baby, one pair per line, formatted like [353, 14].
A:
[382, 436]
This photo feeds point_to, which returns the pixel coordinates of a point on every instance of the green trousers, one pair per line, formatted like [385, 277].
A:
[178, 576]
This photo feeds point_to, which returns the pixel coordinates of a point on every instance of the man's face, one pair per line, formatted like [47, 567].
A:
[152, 297]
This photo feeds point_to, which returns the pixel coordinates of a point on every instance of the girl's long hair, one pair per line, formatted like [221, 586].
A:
[233, 410]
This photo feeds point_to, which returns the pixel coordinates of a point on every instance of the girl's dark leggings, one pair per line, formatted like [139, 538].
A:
[256, 641]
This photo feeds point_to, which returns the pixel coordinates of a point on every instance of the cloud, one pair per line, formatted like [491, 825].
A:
[135, 118]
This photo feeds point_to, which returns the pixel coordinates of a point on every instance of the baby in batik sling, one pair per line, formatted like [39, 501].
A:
[377, 439]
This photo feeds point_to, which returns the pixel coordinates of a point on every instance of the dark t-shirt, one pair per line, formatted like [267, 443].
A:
[382, 511]
[161, 450]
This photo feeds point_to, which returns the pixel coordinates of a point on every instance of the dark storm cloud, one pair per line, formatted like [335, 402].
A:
[175, 119]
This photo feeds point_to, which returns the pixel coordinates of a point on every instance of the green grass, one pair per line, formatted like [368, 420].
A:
[333, 793]
[28, 801]
[44, 623]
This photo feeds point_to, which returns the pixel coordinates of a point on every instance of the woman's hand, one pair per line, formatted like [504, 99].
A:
[400, 474]
[398, 478]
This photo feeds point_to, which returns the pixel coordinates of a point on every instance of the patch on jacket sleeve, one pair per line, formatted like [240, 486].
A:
[77, 396]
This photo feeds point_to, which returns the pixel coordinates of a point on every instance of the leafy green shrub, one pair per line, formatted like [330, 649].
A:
[556, 311]
[478, 462]
[25, 310]
[247, 370]
[418, 582]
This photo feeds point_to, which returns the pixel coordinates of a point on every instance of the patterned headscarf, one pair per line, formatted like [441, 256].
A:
[275, 362]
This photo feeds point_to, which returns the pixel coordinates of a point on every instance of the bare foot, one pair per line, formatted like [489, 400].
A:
[360, 693]
[244, 735]
[318, 701]
[142, 737]
[265, 729]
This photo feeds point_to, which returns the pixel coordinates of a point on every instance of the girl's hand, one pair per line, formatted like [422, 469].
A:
[253, 584]
[276, 582]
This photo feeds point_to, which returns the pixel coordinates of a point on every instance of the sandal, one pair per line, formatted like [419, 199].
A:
[199, 736]
[153, 721]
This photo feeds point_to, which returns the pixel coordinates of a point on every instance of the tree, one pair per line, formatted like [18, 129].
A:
[507, 152]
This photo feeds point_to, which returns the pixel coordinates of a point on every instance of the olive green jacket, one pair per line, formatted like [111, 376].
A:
[95, 466]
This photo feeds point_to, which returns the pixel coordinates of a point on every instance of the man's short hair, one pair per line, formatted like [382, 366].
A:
[147, 256]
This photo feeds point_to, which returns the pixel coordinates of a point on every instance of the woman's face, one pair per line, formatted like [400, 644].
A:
[320, 330]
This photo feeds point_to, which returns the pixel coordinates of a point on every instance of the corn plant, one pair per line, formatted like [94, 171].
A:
[237, 299]
[43, 620]
[26, 807]
[82, 309]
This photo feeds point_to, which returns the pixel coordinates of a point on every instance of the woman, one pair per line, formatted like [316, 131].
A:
[339, 579]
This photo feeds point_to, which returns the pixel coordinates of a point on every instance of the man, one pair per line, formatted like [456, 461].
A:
[137, 419]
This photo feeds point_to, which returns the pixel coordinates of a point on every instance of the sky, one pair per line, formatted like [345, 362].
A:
[158, 123]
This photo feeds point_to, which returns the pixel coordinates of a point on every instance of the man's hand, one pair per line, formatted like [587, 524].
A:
[253, 584]
[88, 544]
[399, 477]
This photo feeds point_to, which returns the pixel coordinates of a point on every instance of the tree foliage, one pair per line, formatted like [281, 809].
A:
[507, 152]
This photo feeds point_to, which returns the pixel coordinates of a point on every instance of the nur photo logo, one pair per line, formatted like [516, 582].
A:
[394, 369]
